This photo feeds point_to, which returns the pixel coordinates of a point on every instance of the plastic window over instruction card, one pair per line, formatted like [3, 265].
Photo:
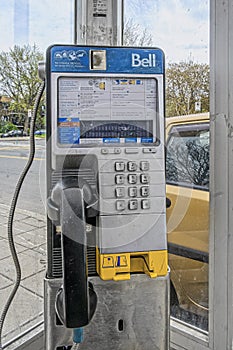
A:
[106, 110]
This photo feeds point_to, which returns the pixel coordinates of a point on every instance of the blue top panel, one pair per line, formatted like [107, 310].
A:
[65, 59]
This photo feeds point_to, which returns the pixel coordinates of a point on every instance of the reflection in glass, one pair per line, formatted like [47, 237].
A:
[188, 158]
[187, 167]
[40, 23]
[187, 172]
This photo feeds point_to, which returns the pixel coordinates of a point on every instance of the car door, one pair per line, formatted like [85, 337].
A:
[187, 176]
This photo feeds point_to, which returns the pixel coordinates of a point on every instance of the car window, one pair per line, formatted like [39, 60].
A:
[187, 158]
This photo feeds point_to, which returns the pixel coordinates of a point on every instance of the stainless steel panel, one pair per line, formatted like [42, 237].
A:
[55, 335]
[130, 315]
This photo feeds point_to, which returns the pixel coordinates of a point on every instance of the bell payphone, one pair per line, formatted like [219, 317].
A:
[105, 178]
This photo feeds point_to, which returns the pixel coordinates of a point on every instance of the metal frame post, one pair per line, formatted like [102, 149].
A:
[99, 22]
[221, 200]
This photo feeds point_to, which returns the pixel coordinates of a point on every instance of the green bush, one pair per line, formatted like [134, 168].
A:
[7, 127]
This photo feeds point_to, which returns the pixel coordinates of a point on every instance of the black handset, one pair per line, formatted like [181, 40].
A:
[76, 300]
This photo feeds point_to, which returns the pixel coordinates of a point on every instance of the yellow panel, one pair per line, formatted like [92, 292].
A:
[118, 267]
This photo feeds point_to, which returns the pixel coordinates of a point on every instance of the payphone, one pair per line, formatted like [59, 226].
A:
[106, 188]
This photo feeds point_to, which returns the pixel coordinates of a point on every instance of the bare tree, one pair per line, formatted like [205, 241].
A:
[186, 84]
[134, 35]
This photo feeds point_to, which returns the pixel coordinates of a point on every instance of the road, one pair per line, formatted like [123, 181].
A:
[13, 157]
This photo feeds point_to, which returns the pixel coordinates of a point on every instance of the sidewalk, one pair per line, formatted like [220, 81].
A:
[30, 241]
[20, 138]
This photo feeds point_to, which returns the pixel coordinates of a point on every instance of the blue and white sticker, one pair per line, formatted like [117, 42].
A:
[111, 140]
[68, 130]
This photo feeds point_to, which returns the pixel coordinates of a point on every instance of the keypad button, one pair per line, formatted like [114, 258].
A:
[149, 150]
[144, 178]
[131, 150]
[119, 166]
[117, 150]
[132, 178]
[120, 205]
[145, 191]
[145, 204]
[120, 179]
[120, 192]
[133, 204]
[104, 151]
[133, 191]
[132, 166]
[144, 166]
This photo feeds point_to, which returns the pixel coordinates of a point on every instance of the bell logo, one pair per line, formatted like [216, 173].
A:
[137, 61]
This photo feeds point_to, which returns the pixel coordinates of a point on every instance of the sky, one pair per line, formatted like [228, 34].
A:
[179, 27]
[43, 22]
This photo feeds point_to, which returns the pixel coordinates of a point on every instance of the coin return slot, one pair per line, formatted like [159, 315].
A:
[121, 325]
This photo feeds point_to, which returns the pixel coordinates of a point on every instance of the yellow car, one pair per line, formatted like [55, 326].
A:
[187, 177]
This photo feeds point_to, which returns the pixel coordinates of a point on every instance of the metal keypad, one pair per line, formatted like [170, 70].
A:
[134, 192]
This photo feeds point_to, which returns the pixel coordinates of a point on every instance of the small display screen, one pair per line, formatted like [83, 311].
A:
[106, 110]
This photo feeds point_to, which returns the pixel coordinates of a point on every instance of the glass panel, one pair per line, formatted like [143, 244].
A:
[187, 173]
[186, 47]
[24, 22]
[158, 23]
[36, 22]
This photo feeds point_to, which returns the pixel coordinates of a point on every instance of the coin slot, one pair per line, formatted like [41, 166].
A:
[98, 60]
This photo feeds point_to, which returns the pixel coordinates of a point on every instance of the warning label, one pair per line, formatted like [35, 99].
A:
[99, 8]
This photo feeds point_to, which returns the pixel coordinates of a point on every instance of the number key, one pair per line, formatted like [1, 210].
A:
[145, 191]
[132, 178]
[145, 178]
[133, 191]
[133, 204]
[120, 192]
[145, 204]
[132, 166]
[119, 166]
[144, 165]
[119, 179]
[120, 205]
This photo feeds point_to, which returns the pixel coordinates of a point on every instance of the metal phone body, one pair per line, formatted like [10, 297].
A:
[106, 109]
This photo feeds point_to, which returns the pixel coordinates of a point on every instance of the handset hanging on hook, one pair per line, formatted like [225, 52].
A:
[76, 300]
